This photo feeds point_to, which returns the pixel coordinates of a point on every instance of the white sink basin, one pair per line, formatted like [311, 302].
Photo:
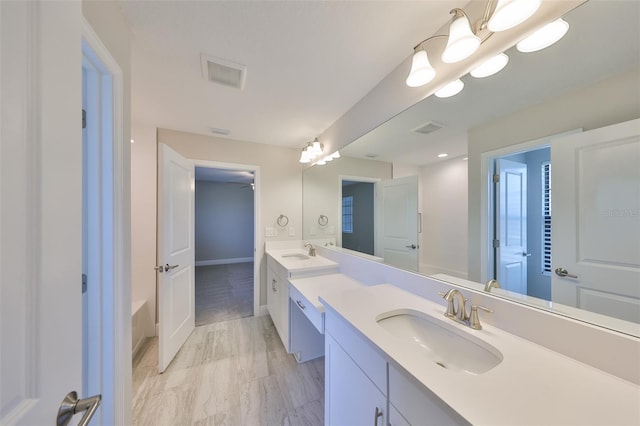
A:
[297, 256]
[445, 345]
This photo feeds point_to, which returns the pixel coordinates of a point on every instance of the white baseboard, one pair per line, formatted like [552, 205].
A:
[262, 311]
[223, 261]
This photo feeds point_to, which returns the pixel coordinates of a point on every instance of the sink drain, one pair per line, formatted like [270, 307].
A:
[441, 365]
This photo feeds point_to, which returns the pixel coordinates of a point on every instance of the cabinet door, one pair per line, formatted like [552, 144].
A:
[351, 398]
[272, 300]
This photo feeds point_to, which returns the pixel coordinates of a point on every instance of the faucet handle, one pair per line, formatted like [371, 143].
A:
[474, 319]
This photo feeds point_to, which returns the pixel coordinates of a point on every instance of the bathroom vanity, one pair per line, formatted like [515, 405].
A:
[393, 357]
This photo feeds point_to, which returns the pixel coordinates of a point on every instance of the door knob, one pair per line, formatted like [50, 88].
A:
[412, 247]
[71, 405]
[526, 254]
[168, 267]
[561, 272]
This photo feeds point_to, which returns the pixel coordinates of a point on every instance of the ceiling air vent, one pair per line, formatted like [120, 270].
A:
[223, 72]
[428, 127]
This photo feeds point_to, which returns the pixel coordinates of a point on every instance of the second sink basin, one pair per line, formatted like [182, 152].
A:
[445, 345]
[297, 256]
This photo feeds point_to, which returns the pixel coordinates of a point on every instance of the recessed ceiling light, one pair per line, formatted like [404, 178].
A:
[443, 155]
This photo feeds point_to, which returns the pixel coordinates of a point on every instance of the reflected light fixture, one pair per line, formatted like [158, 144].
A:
[509, 13]
[421, 70]
[544, 37]
[490, 66]
[462, 42]
[450, 89]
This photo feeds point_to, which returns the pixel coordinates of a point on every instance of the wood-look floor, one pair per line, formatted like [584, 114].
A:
[223, 292]
[229, 373]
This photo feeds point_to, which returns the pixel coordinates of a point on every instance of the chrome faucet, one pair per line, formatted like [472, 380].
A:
[312, 249]
[458, 311]
[491, 284]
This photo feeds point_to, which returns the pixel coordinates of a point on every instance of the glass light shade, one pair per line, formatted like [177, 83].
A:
[450, 89]
[336, 154]
[509, 13]
[421, 70]
[328, 158]
[304, 157]
[321, 163]
[462, 42]
[490, 66]
[544, 37]
[317, 149]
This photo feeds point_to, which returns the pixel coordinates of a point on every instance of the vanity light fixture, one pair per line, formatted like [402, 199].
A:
[509, 13]
[464, 37]
[336, 155]
[311, 151]
[462, 42]
[490, 66]
[450, 89]
[544, 37]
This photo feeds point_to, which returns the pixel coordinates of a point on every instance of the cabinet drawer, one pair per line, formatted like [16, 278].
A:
[365, 353]
[315, 316]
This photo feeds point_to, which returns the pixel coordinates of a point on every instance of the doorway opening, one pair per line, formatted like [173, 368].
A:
[224, 244]
[358, 215]
[520, 226]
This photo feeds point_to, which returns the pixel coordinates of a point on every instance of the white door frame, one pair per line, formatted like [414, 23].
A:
[258, 243]
[487, 228]
[109, 272]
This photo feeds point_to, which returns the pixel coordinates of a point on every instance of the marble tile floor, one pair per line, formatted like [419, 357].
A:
[223, 292]
[229, 373]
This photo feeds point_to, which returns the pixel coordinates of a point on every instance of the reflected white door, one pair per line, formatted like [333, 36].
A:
[41, 215]
[399, 216]
[511, 223]
[176, 286]
[595, 221]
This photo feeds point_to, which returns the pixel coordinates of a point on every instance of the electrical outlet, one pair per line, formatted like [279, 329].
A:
[271, 232]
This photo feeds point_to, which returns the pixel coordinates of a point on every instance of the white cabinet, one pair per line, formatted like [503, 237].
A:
[351, 398]
[358, 377]
[278, 299]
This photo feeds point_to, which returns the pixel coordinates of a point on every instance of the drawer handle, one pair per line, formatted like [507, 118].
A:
[377, 414]
[301, 304]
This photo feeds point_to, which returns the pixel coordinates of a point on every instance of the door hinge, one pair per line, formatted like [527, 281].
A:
[84, 119]
[84, 283]
[496, 178]
[496, 244]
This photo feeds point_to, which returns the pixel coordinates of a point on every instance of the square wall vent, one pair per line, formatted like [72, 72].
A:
[428, 127]
[223, 72]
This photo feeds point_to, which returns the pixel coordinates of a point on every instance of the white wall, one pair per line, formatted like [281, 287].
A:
[224, 222]
[279, 185]
[611, 101]
[444, 238]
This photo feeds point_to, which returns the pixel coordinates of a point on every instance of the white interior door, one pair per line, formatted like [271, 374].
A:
[176, 286]
[41, 214]
[595, 221]
[511, 223]
[399, 216]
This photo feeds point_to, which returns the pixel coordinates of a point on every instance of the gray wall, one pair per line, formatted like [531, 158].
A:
[223, 222]
[362, 238]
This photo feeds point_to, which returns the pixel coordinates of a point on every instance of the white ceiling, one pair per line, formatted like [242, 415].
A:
[307, 62]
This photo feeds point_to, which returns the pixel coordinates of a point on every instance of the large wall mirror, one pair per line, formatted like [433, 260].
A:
[518, 119]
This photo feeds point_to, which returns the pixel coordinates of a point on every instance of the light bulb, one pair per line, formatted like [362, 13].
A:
[490, 66]
[544, 37]
[421, 70]
[462, 42]
[509, 13]
[450, 89]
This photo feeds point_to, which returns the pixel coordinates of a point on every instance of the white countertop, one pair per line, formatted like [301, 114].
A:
[532, 385]
[294, 264]
[320, 286]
